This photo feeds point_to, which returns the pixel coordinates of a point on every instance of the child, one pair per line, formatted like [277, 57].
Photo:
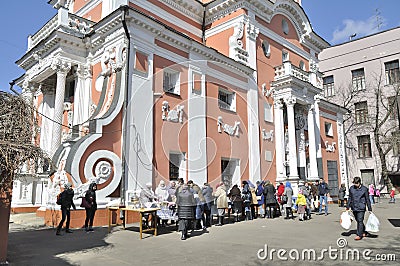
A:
[301, 205]
[377, 195]
[392, 200]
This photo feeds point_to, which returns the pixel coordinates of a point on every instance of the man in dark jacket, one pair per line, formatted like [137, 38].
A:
[66, 202]
[323, 191]
[358, 200]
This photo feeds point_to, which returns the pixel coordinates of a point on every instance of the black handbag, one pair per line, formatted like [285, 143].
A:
[85, 203]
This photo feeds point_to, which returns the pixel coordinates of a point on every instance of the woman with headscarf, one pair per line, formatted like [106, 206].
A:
[254, 202]
[288, 203]
[186, 209]
[91, 208]
[270, 199]
[162, 195]
[260, 197]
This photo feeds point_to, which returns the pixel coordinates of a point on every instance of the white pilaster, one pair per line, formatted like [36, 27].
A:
[279, 141]
[312, 145]
[82, 95]
[46, 128]
[290, 102]
[252, 102]
[318, 126]
[62, 69]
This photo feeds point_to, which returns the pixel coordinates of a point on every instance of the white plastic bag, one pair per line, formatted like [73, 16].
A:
[346, 219]
[372, 224]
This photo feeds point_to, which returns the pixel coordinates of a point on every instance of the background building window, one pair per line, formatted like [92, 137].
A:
[328, 86]
[364, 146]
[171, 81]
[361, 112]
[268, 117]
[226, 99]
[358, 79]
[395, 111]
[328, 129]
[266, 48]
[392, 72]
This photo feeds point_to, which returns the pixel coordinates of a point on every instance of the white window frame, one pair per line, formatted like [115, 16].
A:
[174, 84]
[230, 104]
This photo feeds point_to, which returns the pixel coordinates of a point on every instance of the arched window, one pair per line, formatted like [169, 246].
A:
[266, 48]
[285, 26]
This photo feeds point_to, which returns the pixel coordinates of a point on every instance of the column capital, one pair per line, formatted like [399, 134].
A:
[317, 99]
[83, 71]
[278, 104]
[290, 100]
[310, 108]
[60, 66]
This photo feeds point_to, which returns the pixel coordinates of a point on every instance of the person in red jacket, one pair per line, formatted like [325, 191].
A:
[392, 192]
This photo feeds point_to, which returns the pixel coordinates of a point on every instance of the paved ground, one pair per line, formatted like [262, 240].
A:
[30, 243]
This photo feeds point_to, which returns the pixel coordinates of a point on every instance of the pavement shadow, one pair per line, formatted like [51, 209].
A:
[43, 246]
[354, 232]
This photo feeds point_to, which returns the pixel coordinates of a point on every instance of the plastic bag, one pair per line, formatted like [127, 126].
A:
[346, 219]
[372, 224]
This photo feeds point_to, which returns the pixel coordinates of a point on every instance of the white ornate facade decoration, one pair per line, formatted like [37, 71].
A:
[267, 92]
[103, 171]
[67, 133]
[236, 50]
[230, 130]
[175, 115]
[268, 135]
[330, 148]
[251, 30]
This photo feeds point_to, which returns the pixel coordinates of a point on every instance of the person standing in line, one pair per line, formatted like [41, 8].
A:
[66, 203]
[342, 194]
[270, 199]
[288, 203]
[301, 204]
[323, 191]
[377, 195]
[260, 198]
[357, 202]
[314, 198]
[236, 198]
[254, 202]
[222, 202]
[246, 196]
[186, 209]
[209, 201]
[90, 197]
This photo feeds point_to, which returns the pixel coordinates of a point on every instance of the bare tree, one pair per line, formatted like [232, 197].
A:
[17, 147]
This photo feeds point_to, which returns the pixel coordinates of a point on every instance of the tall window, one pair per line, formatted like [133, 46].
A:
[392, 72]
[395, 111]
[174, 163]
[285, 56]
[329, 88]
[364, 146]
[171, 81]
[328, 129]
[226, 99]
[358, 79]
[361, 112]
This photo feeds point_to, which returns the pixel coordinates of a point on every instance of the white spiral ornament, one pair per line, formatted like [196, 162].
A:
[341, 242]
[104, 165]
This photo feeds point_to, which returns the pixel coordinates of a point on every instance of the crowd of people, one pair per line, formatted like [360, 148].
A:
[195, 205]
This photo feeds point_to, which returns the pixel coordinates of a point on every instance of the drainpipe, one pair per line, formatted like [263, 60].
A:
[203, 26]
[124, 129]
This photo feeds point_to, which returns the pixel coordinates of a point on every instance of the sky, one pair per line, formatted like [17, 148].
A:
[333, 20]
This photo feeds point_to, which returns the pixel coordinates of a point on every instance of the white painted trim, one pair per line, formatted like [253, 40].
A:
[224, 26]
[168, 17]
[326, 115]
[89, 6]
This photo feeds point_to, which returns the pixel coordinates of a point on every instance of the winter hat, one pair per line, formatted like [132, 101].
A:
[67, 185]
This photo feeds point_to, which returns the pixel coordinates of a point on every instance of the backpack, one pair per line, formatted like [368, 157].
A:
[59, 199]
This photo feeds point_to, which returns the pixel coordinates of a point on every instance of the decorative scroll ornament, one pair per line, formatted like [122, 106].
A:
[230, 130]
[267, 92]
[268, 135]
[236, 50]
[330, 148]
[103, 171]
[175, 115]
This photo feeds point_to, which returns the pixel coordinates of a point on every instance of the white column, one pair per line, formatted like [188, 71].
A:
[62, 69]
[279, 141]
[290, 101]
[342, 152]
[312, 148]
[82, 95]
[318, 126]
[47, 109]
